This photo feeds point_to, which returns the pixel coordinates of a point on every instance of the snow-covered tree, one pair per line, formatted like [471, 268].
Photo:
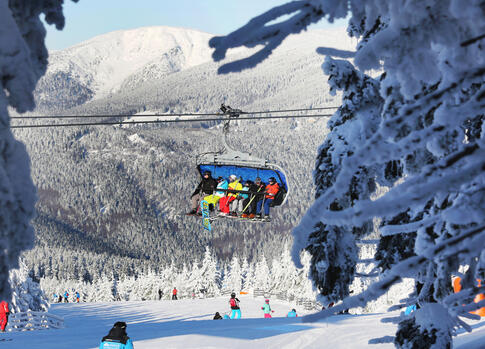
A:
[262, 274]
[23, 60]
[26, 293]
[419, 129]
[209, 274]
[234, 278]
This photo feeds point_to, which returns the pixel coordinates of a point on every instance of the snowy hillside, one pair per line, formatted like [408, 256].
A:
[128, 63]
[188, 324]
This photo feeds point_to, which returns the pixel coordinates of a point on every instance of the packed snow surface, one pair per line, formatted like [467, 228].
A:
[189, 324]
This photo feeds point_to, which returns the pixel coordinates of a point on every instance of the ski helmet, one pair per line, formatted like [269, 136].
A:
[232, 177]
[233, 295]
[267, 300]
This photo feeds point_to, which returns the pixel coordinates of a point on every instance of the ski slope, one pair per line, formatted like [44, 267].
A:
[187, 324]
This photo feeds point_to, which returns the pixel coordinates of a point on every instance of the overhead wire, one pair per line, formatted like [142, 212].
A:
[155, 114]
[121, 123]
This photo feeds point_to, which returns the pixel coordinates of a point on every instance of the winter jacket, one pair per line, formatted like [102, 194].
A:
[236, 186]
[116, 339]
[234, 303]
[115, 344]
[4, 308]
[266, 308]
[292, 314]
[272, 190]
[222, 185]
[244, 196]
[206, 185]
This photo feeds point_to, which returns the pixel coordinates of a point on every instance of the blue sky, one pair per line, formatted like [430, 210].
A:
[88, 18]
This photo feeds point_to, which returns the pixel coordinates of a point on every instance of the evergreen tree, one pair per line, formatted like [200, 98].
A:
[26, 293]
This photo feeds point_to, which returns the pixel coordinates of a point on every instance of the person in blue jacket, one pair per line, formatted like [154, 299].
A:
[117, 338]
[292, 313]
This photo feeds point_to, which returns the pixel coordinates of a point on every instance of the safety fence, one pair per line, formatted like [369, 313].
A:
[33, 320]
[306, 303]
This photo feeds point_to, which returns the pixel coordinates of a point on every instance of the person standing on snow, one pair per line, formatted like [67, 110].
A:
[78, 296]
[292, 313]
[174, 294]
[206, 187]
[235, 310]
[117, 338]
[4, 313]
[267, 309]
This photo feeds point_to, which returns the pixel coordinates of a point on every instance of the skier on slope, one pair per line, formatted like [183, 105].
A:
[267, 309]
[292, 313]
[117, 338]
[4, 313]
[235, 310]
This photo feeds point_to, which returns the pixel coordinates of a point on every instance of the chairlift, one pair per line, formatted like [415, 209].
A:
[229, 161]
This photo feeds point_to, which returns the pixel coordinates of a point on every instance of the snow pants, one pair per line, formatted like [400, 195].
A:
[3, 321]
[267, 202]
[267, 315]
[195, 201]
[235, 314]
[212, 199]
[224, 203]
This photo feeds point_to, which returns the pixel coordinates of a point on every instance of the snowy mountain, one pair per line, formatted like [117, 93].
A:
[177, 62]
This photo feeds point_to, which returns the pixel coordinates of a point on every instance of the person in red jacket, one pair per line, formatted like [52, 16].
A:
[271, 190]
[4, 313]
[174, 294]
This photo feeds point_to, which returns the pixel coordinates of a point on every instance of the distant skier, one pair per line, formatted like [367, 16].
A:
[267, 309]
[235, 310]
[4, 313]
[78, 296]
[174, 294]
[217, 316]
[160, 294]
[117, 338]
[292, 313]
[66, 297]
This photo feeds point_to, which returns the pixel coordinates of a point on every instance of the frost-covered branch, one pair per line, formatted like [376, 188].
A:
[260, 31]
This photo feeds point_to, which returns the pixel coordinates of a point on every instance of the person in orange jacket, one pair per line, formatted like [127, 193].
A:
[4, 313]
[271, 190]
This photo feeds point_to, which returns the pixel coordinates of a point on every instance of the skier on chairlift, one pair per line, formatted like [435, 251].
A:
[213, 199]
[271, 190]
[231, 196]
[206, 187]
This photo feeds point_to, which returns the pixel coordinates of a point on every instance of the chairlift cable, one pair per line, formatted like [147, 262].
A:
[171, 121]
[161, 115]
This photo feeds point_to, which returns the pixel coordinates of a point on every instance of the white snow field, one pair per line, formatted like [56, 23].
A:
[189, 324]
